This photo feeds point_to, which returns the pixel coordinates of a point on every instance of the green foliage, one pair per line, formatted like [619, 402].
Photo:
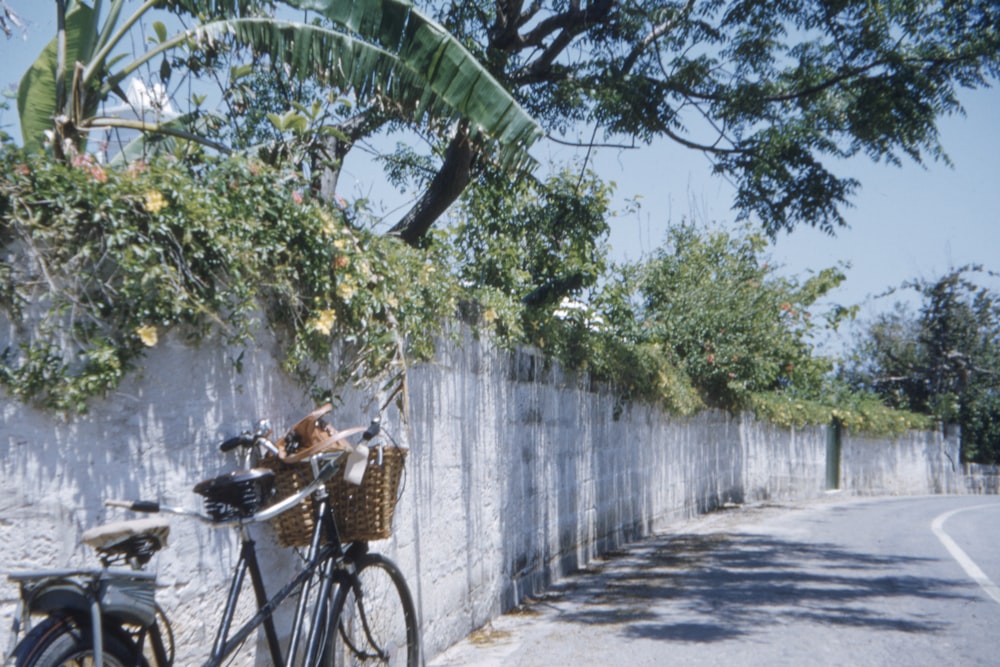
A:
[99, 263]
[380, 50]
[857, 411]
[734, 325]
[539, 241]
[529, 252]
[979, 417]
[708, 322]
[773, 93]
[705, 322]
[943, 361]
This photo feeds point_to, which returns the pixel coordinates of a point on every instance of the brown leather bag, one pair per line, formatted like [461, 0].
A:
[312, 435]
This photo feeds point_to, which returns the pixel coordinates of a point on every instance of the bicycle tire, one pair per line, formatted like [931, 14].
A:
[63, 641]
[379, 626]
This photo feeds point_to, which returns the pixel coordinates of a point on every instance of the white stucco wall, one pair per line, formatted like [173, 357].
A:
[517, 475]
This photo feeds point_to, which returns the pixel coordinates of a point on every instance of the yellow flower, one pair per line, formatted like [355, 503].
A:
[329, 224]
[323, 321]
[147, 334]
[155, 202]
[345, 291]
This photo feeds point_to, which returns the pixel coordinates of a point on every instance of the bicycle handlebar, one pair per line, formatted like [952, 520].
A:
[153, 507]
[245, 439]
[248, 439]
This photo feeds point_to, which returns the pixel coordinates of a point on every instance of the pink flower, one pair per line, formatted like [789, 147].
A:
[136, 167]
[87, 163]
[297, 197]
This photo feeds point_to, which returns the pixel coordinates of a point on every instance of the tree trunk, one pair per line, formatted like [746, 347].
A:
[447, 185]
[326, 165]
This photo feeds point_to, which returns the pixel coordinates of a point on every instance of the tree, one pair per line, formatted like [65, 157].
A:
[539, 241]
[382, 51]
[882, 359]
[771, 92]
[943, 361]
[712, 303]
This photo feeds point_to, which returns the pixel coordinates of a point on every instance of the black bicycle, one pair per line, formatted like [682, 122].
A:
[353, 606]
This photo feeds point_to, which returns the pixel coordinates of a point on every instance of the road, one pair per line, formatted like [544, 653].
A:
[840, 581]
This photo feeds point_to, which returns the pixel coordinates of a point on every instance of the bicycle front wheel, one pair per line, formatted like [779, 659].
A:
[376, 618]
[61, 641]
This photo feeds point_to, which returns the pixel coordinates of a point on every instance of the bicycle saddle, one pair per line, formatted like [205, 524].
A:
[136, 538]
[237, 494]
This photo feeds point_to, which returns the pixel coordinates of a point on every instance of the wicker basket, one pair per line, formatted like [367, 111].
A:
[362, 513]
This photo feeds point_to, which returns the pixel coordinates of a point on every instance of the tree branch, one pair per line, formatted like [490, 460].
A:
[568, 24]
[153, 128]
[654, 34]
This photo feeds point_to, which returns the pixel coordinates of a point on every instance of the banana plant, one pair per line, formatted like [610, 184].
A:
[383, 48]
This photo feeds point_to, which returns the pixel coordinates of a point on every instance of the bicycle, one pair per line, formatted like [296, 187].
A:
[353, 606]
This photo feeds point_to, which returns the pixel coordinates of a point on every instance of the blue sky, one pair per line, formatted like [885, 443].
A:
[907, 222]
[914, 221]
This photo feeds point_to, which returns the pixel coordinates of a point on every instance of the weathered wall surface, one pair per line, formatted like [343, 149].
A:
[517, 475]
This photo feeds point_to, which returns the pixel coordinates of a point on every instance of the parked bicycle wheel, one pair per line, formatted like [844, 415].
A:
[378, 625]
[61, 641]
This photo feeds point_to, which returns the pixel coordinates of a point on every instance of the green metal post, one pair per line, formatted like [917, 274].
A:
[833, 455]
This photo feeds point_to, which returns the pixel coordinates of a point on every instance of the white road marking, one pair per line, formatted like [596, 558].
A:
[963, 559]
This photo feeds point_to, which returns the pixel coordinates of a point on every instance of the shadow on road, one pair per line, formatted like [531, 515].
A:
[714, 587]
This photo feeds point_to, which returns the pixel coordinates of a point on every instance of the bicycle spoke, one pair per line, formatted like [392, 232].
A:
[378, 625]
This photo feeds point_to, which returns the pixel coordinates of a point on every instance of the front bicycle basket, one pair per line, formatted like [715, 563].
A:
[236, 495]
[362, 513]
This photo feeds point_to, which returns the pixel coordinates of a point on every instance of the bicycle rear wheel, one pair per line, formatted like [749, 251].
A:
[376, 619]
[62, 641]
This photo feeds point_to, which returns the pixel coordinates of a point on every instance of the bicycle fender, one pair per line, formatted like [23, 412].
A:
[48, 596]
[122, 601]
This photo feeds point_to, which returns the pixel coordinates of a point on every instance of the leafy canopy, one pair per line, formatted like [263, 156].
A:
[382, 50]
[943, 361]
[775, 94]
[735, 326]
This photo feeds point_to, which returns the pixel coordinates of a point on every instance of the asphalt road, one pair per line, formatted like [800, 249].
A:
[841, 581]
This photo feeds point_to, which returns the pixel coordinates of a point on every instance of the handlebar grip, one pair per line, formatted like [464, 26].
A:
[147, 506]
[373, 429]
[244, 439]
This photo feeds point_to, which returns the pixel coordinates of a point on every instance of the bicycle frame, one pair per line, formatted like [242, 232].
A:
[330, 554]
